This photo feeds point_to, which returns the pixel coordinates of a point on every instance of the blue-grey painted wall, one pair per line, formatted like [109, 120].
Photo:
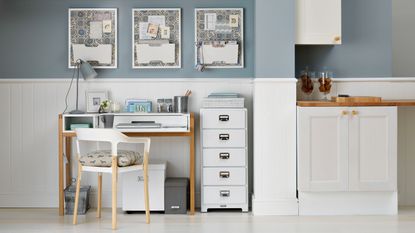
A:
[34, 38]
[367, 42]
[275, 38]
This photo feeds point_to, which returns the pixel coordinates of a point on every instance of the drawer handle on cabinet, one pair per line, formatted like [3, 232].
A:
[224, 155]
[225, 193]
[224, 136]
[355, 113]
[224, 174]
[223, 117]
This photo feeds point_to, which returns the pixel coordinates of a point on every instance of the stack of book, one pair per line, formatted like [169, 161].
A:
[224, 100]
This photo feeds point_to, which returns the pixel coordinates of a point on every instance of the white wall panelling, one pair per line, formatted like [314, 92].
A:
[28, 135]
[275, 147]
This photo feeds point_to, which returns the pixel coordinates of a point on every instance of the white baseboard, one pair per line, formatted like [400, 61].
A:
[287, 206]
[348, 203]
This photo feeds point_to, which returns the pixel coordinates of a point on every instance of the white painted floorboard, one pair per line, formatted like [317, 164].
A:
[47, 220]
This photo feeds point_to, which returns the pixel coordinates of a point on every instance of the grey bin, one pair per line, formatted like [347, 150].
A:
[175, 196]
[83, 204]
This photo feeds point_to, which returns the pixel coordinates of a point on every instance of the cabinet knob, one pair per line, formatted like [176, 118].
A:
[355, 113]
[337, 38]
[345, 113]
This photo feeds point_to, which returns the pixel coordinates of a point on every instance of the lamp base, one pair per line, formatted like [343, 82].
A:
[76, 112]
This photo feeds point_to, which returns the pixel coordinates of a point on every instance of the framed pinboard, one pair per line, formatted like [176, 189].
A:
[92, 37]
[219, 37]
[156, 38]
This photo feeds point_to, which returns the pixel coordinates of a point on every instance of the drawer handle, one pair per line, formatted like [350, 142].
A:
[224, 137]
[224, 155]
[175, 207]
[225, 193]
[223, 117]
[224, 174]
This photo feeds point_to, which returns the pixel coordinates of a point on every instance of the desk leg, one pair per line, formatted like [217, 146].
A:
[68, 153]
[60, 155]
[192, 174]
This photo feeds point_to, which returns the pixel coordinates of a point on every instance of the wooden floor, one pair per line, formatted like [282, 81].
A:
[46, 220]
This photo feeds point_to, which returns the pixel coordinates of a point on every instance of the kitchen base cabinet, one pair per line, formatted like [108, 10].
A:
[348, 155]
[224, 159]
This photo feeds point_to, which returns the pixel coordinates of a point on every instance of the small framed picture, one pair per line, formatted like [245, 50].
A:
[94, 100]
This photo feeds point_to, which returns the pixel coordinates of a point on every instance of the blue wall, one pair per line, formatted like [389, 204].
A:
[275, 38]
[34, 38]
[367, 42]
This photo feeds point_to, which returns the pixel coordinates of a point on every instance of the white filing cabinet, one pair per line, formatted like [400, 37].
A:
[224, 141]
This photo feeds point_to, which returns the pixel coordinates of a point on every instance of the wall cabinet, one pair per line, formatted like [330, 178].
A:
[347, 149]
[319, 22]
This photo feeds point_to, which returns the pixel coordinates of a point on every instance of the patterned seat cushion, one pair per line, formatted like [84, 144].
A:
[103, 158]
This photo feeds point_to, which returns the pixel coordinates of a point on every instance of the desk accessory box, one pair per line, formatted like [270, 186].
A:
[138, 105]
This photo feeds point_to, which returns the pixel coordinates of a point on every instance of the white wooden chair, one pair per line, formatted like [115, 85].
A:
[114, 138]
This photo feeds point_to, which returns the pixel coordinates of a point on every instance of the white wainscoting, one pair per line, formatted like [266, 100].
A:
[28, 136]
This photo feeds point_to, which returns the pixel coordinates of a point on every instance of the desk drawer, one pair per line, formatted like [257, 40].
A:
[224, 176]
[224, 157]
[224, 138]
[224, 195]
[224, 119]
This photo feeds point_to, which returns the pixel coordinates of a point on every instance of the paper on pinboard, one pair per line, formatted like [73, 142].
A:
[95, 30]
[157, 19]
[210, 21]
[143, 26]
[107, 26]
[165, 32]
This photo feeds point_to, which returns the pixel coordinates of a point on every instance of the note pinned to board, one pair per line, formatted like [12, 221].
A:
[157, 19]
[107, 26]
[95, 30]
[143, 27]
[210, 21]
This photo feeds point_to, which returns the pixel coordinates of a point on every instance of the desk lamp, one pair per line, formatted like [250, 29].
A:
[88, 73]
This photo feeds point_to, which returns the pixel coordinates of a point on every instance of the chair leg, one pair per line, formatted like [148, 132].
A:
[146, 196]
[78, 187]
[99, 204]
[114, 192]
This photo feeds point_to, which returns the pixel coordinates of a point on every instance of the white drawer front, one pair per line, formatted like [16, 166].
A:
[224, 119]
[224, 157]
[224, 138]
[224, 195]
[224, 176]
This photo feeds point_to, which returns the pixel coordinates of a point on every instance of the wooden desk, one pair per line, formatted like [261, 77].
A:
[65, 148]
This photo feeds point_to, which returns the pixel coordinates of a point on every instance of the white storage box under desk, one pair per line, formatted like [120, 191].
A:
[133, 188]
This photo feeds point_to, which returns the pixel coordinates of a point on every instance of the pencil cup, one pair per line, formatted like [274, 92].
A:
[181, 104]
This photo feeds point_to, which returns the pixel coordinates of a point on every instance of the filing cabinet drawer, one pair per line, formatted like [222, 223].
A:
[224, 195]
[224, 119]
[224, 176]
[224, 138]
[224, 157]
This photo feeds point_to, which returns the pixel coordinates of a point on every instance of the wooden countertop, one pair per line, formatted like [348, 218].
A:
[319, 103]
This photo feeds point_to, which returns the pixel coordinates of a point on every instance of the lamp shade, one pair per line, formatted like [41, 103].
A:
[87, 71]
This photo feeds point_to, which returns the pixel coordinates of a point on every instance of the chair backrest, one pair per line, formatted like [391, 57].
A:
[102, 135]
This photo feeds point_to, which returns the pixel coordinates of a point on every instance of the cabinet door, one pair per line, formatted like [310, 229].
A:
[318, 22]
[322, 149]
[373, 149]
